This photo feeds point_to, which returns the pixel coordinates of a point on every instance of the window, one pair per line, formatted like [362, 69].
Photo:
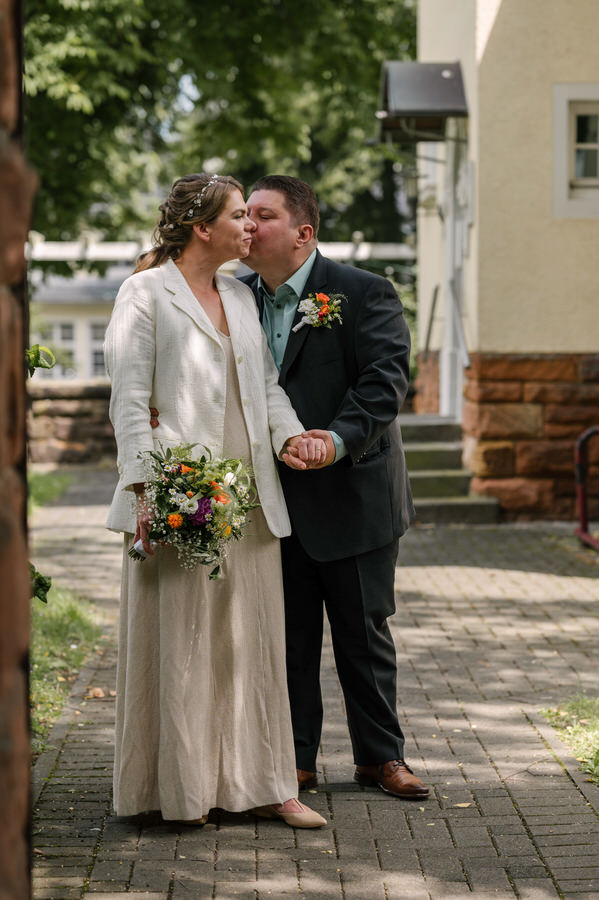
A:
[98, 367]
[59, 336]
[584, 122]
[97, 331]
[576, 151]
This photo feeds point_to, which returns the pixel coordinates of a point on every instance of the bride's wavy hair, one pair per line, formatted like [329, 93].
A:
[193, 199]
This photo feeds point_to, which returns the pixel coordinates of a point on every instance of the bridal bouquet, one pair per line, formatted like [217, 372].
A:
[198, 505]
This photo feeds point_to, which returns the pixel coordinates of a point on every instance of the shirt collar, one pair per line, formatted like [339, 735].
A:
[296, 282]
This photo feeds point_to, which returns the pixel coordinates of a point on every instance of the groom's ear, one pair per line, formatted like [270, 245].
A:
[305, 233]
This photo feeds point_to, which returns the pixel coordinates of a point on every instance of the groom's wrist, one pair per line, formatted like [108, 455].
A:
[339, 444]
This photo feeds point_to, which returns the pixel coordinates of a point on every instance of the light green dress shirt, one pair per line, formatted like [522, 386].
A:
[277, 319]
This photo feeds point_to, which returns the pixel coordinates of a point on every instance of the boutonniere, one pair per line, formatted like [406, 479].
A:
[320, 310]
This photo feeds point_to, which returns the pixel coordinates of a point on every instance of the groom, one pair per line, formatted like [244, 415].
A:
[347, 383]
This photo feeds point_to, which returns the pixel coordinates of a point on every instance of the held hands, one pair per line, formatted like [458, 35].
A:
[311, 450]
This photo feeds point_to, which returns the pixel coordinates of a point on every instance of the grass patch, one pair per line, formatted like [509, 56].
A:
[577, 723]
[63, 633]
[44, 487]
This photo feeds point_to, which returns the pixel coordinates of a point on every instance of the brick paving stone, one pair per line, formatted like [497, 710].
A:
[493, 623]
[407, 887]
[351, 891]
[101, 887]
[146, 895]
[190, 890]
[570, 885]
[57, 881]
[513, 845]
[150, 875]
[112, 870]
[474, 836]
[535, 888]
[484, 877]
[442, 865]
[525, 867]
[568, 842]
[53, 893]
[58, 875]
[580, 895]
[404, 858]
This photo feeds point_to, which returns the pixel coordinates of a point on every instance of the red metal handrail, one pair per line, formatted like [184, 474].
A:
[580, 467]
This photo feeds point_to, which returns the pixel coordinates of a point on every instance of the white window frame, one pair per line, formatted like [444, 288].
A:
[96, 344]
[572, 198]
[51, 335]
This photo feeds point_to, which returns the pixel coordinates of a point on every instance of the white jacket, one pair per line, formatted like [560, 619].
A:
[162, 350]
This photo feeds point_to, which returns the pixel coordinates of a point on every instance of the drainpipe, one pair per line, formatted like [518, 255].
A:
[450, 374]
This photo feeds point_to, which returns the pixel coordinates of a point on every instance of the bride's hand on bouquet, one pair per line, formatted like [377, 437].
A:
[144, 519]
[310, 450]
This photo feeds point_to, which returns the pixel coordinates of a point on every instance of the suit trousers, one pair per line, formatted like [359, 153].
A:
[358, 594]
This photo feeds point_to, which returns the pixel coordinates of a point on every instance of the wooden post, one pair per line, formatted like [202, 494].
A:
[17, 185]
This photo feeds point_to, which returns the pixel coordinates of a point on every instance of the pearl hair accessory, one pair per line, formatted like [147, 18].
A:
[195, 206]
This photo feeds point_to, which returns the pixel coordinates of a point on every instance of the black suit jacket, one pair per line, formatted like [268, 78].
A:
[351, 379]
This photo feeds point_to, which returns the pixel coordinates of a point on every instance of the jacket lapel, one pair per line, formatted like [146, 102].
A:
[233, 311]
[252, 283]
[182, 297]
[315, 282]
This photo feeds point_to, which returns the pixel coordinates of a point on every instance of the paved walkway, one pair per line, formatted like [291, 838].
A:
[493, 623]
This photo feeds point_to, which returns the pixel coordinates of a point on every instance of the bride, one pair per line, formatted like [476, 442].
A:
[202, 715]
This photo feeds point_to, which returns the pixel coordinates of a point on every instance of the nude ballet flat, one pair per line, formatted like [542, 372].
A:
[307, 818]
[201, 821]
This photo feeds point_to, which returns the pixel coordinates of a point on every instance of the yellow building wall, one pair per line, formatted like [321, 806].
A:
[531, 280]
[538, 281]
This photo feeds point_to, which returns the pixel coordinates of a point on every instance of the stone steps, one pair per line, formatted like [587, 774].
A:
[433, 455]
[440, 484]
[471, 509]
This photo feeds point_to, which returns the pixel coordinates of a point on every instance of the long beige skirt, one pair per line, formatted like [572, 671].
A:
[202, 711]
[202, 714]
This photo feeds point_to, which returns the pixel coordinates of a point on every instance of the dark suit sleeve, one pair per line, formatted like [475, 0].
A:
[382, 353]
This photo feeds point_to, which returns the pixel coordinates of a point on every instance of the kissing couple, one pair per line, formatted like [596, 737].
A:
[300, 370]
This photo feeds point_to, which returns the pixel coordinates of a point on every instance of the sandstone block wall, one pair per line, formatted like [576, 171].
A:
[16, 192]
[68, 422]
[521, 417]
[426, 397]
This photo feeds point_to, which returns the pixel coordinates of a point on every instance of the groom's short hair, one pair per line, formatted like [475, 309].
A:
[300, 199]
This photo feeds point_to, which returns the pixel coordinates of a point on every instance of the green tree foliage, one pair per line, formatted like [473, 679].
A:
[98, 88]
[124, 95]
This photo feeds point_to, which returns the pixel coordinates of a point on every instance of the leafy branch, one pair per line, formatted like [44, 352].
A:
[39, 357]
[40, 584]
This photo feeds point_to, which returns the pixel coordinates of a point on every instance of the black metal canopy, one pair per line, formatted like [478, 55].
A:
[417, 99]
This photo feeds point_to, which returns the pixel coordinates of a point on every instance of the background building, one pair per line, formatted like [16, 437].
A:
[508, 226]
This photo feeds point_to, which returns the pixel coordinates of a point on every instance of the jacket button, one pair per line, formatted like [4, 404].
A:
[240, 359]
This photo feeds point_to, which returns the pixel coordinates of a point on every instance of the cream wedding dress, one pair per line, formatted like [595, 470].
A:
[202, 714]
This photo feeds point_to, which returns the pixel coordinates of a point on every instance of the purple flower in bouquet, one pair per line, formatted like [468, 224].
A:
[202, 513]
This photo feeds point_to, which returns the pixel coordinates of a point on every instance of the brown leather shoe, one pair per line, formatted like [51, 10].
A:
[306, 780]
[394, 777]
